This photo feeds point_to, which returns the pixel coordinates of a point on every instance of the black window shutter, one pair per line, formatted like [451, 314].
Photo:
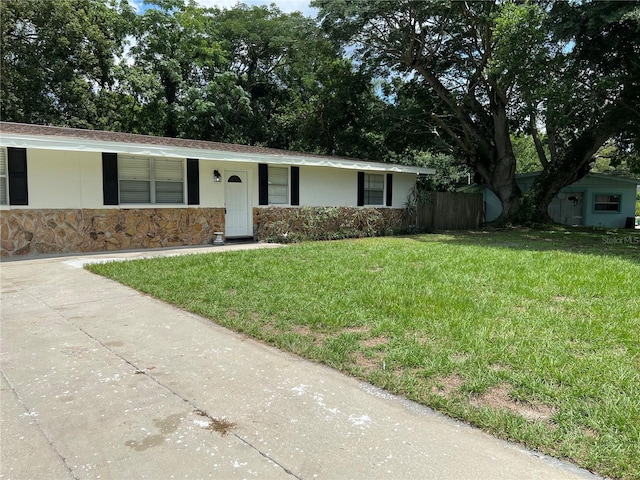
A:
[17, 169]
[263, 184]
[193, 181]
[295, 185]
[110, 178]
[389, 189]
[360, 189]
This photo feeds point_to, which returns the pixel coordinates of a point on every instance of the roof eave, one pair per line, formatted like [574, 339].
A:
[86, 145]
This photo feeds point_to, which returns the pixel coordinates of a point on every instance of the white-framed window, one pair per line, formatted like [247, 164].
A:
[3, 177]
[373, 189]
[278, 181]
[150, 180]
[606, 202]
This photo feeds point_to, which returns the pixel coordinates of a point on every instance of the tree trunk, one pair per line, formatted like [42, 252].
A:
[545, 187]
[571, 167]
[171, 96]
[499, 169]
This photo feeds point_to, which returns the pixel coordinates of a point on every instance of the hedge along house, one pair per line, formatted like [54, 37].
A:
[70, 190]
[596, 200]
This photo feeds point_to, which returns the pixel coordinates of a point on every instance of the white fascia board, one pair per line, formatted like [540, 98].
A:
[84, 145]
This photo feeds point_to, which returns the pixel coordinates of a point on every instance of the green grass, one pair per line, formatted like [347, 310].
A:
[533, 336]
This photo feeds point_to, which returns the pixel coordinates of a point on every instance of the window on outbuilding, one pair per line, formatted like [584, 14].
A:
[606, 203]
[150, 180]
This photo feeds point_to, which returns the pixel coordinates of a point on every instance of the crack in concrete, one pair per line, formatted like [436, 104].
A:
[266, 455]
[143, 371]
[137, 369]
[44, 434]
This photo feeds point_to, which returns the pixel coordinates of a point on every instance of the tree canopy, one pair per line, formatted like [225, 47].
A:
[488, 70]
[252, 75]
[497, 87]
[58, 57]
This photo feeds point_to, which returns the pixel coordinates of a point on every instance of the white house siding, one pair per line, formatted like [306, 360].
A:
[402, 185]
[319, 186]
[327, 187]
[64, 179]
[59, 179]
[212, 192]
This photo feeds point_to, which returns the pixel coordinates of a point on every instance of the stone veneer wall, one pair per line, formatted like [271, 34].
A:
[47, 231]
[283, 224]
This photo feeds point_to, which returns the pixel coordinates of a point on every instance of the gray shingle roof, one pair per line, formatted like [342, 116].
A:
[41, 136]
[106, 136]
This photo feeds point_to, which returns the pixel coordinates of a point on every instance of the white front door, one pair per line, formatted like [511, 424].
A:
[236, 197]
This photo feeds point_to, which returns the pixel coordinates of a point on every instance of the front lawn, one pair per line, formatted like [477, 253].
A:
[533, 336]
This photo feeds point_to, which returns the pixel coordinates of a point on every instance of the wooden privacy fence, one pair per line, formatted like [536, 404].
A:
[450, 211]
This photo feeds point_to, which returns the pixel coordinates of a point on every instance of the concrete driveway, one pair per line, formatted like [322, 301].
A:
[99, 381]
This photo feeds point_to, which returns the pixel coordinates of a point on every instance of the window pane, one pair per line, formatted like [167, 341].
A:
[134, 168]
[373, 182]
[278, 176]
[372, 197]
[278, 200]
[168, 170]
[278, 194]
[373, 189]
[151, 180]
[278, 189]
[607, 203]
[607, 207]
[133, 191]
[169, 192]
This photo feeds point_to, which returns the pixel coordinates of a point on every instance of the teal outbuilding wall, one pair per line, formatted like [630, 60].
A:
[597, 200]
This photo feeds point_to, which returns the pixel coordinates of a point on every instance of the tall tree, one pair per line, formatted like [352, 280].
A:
[271, 55]
[589, 95]
[491, 69]
[57, 58]
[303, 94]
[177, 46]
[335, 111]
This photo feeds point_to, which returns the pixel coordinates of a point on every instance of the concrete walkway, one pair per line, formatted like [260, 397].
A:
[99, 381]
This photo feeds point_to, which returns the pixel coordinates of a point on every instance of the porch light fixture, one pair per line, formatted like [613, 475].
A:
[217, 176]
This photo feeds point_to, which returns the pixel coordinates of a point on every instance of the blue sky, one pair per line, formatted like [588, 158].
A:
[286, 6]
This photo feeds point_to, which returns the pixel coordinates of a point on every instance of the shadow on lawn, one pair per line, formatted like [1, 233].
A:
[621, 243]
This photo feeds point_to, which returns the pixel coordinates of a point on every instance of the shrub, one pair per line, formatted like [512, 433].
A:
[287, 225]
